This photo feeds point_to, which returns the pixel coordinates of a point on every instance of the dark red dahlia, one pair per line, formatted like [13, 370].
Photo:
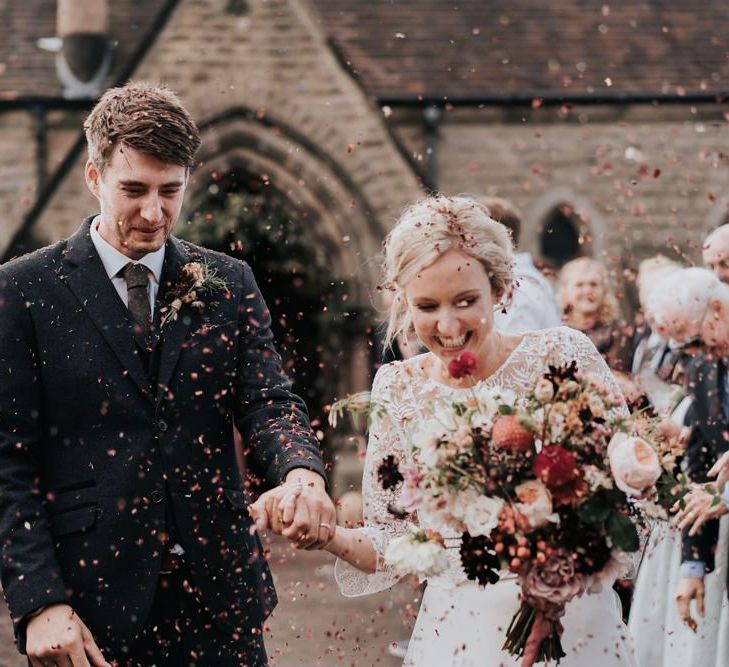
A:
[480, 562]
[388, 472]
[555, 466]
[463, 365]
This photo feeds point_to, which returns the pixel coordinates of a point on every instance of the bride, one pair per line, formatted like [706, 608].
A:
[449, 265]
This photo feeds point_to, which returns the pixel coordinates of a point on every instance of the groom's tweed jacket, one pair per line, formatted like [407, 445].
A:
[92, 451]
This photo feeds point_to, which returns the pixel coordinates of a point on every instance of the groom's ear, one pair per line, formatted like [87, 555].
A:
[92, 176]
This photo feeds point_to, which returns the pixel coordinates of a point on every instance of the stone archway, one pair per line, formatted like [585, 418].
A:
[263, 195]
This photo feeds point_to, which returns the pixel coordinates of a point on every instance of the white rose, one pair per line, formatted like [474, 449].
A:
[506, 397]
[482, 515]
[536, 503]
[634, 464]
[413, 554]
[544, 391]
[459, 503]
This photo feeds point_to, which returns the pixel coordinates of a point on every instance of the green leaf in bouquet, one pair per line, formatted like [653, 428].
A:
[505, 410]
[460, 409]
[357, 406]
[622, 532]
[671, 489]
[595, 509]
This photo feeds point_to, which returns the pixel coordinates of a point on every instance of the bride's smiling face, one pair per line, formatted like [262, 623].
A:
[451, 305]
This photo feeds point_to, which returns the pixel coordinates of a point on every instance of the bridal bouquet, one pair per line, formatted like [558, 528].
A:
[551, 488]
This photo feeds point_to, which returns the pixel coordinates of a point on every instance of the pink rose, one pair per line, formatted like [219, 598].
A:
[634, 463]
[550, 585]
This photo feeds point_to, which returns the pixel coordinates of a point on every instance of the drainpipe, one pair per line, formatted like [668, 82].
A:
[41, 145]
[432, 115]
[84, 59]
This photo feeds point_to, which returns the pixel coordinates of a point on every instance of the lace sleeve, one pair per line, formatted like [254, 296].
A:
[380, 526]
[573, 344]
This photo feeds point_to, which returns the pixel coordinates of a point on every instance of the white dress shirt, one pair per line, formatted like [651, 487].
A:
[533, 305]
[115, 261]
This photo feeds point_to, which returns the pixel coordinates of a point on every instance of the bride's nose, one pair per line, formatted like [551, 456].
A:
[448, 325]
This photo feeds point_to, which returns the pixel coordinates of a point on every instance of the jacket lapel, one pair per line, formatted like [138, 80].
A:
[87, 279]
[174, 332]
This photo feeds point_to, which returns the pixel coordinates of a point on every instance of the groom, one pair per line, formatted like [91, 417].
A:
[127, 358]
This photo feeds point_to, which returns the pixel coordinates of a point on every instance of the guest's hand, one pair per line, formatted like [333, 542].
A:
[700, 506]
[720, 470]
[57, 636]
[690, 588]
[299, 509]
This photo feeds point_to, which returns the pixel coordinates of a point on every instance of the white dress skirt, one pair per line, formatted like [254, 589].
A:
[465, 626]
[661, 639]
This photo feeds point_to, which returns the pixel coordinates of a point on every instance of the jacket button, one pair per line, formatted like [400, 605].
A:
[162, 425]
[157, 496]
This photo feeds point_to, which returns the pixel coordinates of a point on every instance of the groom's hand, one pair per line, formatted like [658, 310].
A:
[57, 636]
[299, 509]
[690, 588]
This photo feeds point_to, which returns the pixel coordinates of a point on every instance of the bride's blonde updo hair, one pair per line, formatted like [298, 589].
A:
[428, 229]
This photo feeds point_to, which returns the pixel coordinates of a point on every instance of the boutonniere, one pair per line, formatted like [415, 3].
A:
[193, 280]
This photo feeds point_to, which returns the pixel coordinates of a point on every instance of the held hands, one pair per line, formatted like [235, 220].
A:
[690, 588]
[57, 636]
[299, 509]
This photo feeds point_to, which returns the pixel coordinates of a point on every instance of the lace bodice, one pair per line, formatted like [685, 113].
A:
[403, 386]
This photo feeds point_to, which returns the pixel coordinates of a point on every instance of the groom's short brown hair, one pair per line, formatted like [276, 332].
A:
[146, 117]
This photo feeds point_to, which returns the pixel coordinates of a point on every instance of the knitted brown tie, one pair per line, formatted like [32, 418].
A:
[137, 277]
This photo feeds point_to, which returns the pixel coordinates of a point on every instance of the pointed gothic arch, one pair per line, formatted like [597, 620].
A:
[265, 194]
[562, 226]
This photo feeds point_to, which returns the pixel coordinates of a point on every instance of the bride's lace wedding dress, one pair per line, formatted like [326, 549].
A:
[460, 623]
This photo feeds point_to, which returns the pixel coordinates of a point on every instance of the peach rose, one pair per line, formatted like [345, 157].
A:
[634, 463]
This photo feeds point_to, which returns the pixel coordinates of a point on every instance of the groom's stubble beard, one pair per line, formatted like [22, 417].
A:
[136, 248]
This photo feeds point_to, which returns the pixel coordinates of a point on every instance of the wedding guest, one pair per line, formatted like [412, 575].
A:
[715, 253]
[657, 365]
[692, 304]
[589, 305]
[531, 303]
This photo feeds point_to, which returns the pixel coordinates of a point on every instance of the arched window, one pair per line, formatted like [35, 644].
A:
[561, 236]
